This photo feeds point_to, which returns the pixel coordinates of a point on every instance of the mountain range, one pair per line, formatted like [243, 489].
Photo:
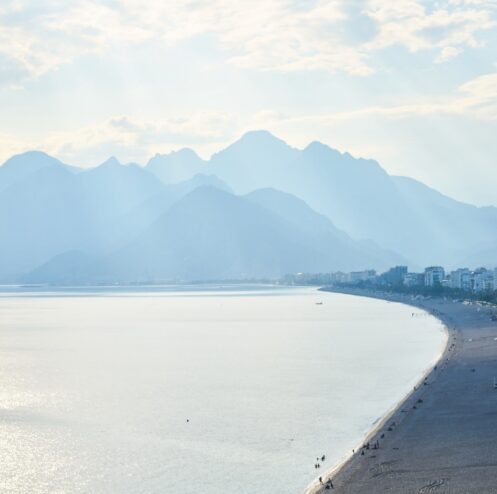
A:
[257, 209]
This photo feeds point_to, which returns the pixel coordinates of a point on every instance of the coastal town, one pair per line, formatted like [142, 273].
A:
[434, 279]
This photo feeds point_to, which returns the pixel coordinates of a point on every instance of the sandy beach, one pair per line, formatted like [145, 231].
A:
[443, 437]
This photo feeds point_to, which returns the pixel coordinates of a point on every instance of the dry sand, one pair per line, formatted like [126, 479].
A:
[443, 437]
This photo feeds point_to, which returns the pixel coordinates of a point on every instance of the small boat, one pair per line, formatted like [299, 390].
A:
[319, 303]
[495, 382]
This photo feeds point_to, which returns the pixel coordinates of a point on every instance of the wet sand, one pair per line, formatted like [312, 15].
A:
[443, 437]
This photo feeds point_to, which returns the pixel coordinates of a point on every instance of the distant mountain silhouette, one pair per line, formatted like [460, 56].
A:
[53, 211]
[452, 230]
[112, 190]
[177, 166]
[40, 216]
[25, 164]
[356, 194]
[68, 268]
[212, 234]
[126, 226]
[257, 208]
[348, 255]
[397, 213]
[483, 256]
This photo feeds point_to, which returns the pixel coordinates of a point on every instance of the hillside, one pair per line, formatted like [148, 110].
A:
[258, 208]
[212, 234]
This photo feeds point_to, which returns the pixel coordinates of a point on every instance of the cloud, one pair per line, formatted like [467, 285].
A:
[447, 53]
[447, 29]
[480, 99]
[10, 145]
[281, 35]
[491, 4]
[476, 98]
[135, 139]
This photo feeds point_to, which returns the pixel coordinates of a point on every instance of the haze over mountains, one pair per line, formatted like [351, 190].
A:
[258, 208]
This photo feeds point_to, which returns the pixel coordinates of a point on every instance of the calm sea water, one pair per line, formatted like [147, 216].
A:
[196, 391]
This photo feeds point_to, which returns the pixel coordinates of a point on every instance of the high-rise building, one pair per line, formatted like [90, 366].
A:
[362, 276]
[483, 280]
[394, 276]
[434, 275]
[461, 279]
[414, 279]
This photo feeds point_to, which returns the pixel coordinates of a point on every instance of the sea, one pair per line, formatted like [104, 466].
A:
[196, 389]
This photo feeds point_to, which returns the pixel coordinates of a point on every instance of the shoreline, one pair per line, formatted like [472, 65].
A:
[443, 436]
[374, 432]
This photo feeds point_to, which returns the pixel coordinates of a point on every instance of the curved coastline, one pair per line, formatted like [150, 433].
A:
[394, 412]
[447, 436]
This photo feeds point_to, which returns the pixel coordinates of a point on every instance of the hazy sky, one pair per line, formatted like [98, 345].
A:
[410, 83]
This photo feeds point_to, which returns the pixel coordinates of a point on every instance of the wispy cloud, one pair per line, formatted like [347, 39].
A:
[137, 139]
[476, 98]
[129, 138]
[446, 29]
[282, 35]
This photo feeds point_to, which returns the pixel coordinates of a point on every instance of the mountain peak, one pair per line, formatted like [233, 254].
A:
[183, 153]
[24, 164]
[111, 162]
[258, 133]
[189, 152]
[255, 137]
[255, 146]
[176, 166]
[32, 159]
[316, 145]
[318, 149]
[202, 180]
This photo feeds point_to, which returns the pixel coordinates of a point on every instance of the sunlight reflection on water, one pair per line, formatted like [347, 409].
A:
[97, 389]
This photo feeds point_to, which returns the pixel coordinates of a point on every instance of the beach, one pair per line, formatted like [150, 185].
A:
[443, 437]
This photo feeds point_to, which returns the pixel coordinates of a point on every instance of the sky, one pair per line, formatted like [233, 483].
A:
[410, 83]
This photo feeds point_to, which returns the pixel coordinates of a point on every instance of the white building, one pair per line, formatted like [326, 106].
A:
[461, 279]
[358, 276]
[434, 275]
[414, 279]
[483, 280]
